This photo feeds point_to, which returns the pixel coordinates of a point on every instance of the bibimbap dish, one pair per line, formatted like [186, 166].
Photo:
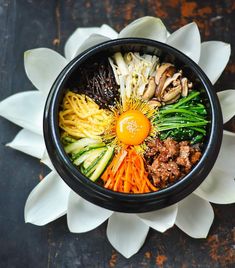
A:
[131, 122]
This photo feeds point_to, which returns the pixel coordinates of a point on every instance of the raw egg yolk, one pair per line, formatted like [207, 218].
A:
[132, 127]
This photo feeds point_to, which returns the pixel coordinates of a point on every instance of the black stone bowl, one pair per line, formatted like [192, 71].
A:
[132, 203]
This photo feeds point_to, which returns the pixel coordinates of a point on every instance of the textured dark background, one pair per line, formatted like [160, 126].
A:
[43, 23]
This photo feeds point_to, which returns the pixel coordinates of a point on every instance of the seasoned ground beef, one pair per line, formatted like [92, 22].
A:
[169, 160]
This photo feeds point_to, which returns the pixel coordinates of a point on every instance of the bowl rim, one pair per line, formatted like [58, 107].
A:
[100, 195]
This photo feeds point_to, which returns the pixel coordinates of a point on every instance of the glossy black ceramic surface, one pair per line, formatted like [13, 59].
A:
[132, 203]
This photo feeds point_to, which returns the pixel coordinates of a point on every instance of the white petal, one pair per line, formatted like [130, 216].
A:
[228, 133]
[214, 58]
[76, 39]
[227, 100]
[83, 216]
[146, 27]
[187, 40]
[226, 157]
[25, 109]
[81, 34]
[127, 233]
[107, 31]
[45, 159]
[218, 187]
[160, 220]
[29, 143]
[42, 66]
[48, 200]
[91, 41]
[195, 216]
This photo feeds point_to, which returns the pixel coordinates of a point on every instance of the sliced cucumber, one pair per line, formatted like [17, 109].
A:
[78, 145]
[82, 169]
[93, 165]
[88, 173]
[68, 140]
[93, 154]
[102, 164]
[78, 153]
[74, 156]
[89, 147]
[96, 153]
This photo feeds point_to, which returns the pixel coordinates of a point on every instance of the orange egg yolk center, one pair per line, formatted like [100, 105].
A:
[132, 127]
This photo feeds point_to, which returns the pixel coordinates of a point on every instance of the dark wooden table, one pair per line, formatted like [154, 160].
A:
[42, 23]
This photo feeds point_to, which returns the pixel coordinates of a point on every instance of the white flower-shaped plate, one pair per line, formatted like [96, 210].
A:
[52, 198]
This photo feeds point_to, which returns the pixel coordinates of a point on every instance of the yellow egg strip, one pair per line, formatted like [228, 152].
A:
[81, 117]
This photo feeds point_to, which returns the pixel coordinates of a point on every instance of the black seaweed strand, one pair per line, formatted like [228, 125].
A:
[99, 83]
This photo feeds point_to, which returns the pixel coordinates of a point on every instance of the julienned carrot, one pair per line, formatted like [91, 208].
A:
[126, 173]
